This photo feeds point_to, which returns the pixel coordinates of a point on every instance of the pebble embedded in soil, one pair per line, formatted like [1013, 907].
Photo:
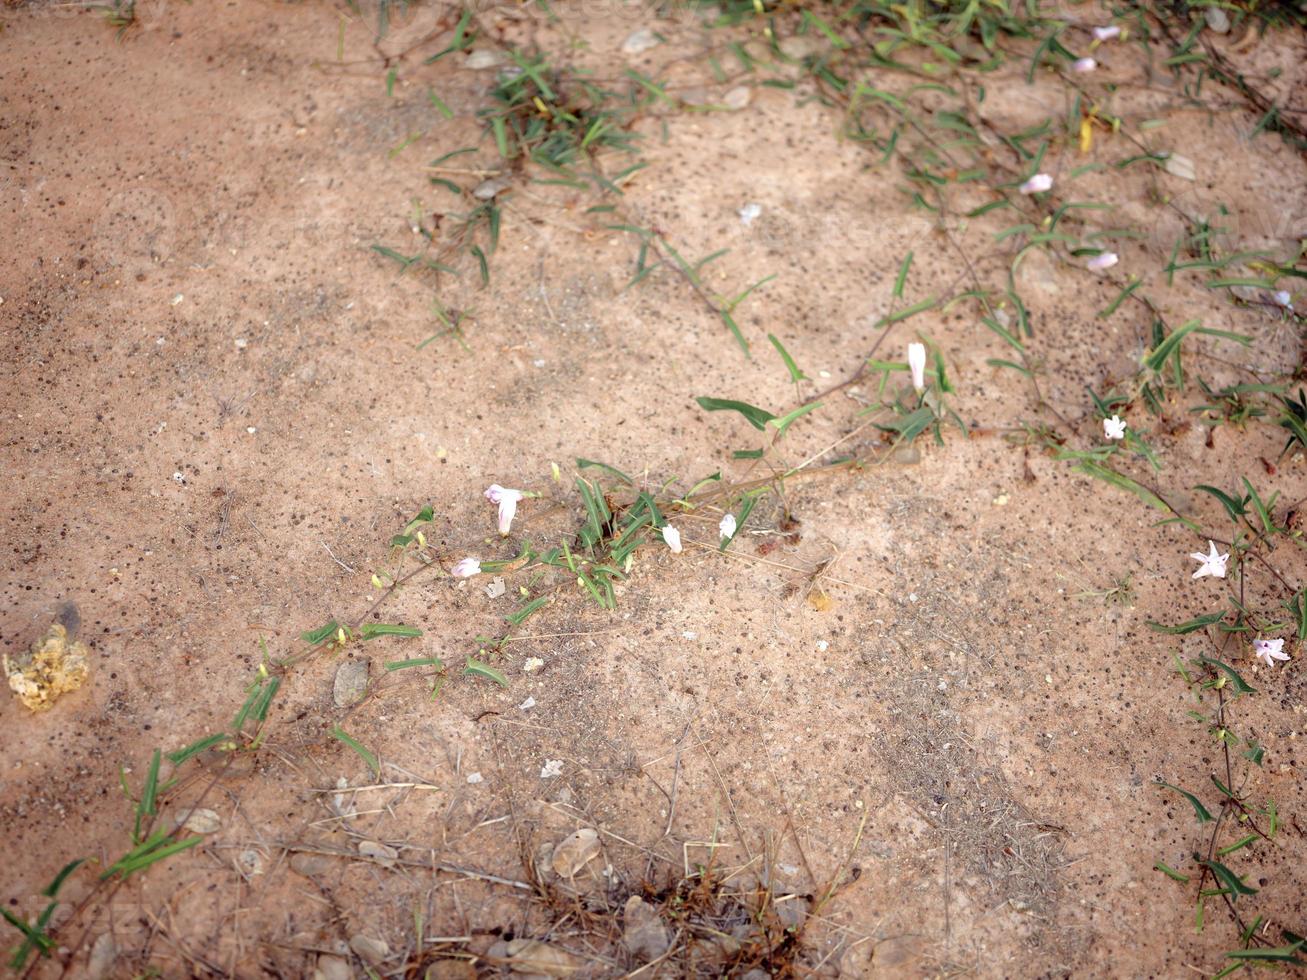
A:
[351, 683]
[643, 932]
[574, 852]
[201, 820]
[311, 865]
[370, 950]
[639, 42]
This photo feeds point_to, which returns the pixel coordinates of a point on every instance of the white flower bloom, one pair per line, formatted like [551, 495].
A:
[917, 364]
[1211, 563]
[1282, 297]
[1269, 651]
[1114, 428]
[673, 538]
[507, 501]
[1082, 66]
[1106, 33]
[551, 768]
[1104, 260]
[727, 527]
[467, 568]
[1036, 184]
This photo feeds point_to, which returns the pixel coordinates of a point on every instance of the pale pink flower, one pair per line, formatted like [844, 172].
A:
[1269, 651]
[1083, 66]
[1212, 563]
[1106, 33]
[917, 365]
[673, 538]
[1036, 184]
[1114, 428]
[727, 527]
[507, 501]
[1282, 298]
[1104, 260]
[466, 568]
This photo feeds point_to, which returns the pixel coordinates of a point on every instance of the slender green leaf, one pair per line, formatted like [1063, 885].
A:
[1189, 626]
[370, 631]
[796, 374]
[415, 662]
[1199, 810]
[477, 668]
[363, 753]
[756, 417]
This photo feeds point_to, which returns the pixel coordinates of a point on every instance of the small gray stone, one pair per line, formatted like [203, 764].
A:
[1180, 166]
[738, 97]
[574, 852]
[800, 46]
[199, 820]
[332, 968]
[1218, 20]
[643, 932]
[488, 189]
[380, 853]
[535, 957]
[311, 865]
[640, 42]
[103, 953]
[792, 912]
[370, 950]
[351, 683]
[483, 58]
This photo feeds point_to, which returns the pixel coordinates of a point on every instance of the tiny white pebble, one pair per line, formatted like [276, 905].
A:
[822, 645]
[551, 768]
[689, 635]
[177, 299]
[179, 477]
[528, 704]
[912, 597]
[532, 663]
[159, 341]
[474, 778]
[241, 343]
[251, 429]
[749, 212]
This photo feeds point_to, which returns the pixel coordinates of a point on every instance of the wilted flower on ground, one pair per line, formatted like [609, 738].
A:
[1212, 563]
[1082, 66]
[1104, 260]
[507, 501]
[672, 537]
[917, 364]
[467, 568]
[1282, 297]
[1269, 651]
[1106, 33]
[727, 527]
[1114, 428]
[1036, 184]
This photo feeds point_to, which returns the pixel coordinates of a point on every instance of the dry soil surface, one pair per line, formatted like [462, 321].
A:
[215, 415]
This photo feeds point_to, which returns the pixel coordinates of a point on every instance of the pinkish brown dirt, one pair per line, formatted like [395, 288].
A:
[215, 417]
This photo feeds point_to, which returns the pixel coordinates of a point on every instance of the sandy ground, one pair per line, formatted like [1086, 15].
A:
[214, 418]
